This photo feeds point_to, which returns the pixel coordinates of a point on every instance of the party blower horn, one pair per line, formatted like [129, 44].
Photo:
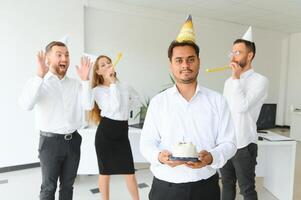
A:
[218, 69]
[119, 55]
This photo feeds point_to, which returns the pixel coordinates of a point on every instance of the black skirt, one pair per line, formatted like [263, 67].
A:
[113, 148]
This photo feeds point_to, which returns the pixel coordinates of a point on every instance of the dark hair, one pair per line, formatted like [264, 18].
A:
[181, 44]
[250, 45]
[52, 44]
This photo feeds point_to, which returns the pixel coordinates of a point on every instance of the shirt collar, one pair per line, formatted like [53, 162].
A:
[247, 73]
[52, 75]
[174, 90]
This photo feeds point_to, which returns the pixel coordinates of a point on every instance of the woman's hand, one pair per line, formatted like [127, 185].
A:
[111, 75]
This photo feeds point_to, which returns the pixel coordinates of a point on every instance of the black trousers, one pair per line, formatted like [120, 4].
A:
[59, 159]
[200, 190]
[241, 167]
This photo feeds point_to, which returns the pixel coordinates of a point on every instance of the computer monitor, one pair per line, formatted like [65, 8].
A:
[267, 117]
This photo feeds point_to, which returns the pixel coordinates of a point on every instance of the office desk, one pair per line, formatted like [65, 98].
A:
[276, 161]
[276, 164]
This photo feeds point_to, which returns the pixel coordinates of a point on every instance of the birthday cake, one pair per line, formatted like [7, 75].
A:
[184, 150]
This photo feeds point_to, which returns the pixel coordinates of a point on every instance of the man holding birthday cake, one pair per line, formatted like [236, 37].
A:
[188, 132]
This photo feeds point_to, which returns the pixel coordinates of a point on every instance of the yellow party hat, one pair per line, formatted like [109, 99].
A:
[187, 31]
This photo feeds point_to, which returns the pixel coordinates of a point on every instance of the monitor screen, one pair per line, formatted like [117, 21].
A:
[267, 117]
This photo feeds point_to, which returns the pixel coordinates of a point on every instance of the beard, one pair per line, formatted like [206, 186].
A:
[59, 71]
[242, 63]
[189, 79]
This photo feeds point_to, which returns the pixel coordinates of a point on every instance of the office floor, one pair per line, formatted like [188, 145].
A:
[24, 184]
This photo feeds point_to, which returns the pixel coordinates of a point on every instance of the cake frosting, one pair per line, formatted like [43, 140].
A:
[184, 150]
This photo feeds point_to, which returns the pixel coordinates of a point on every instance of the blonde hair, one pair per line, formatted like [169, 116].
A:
[94, 114]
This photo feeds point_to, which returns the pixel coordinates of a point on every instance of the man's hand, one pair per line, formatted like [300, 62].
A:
[83, 70]
[42, 67]
[236, 70]
[164, 158]
[205, 158]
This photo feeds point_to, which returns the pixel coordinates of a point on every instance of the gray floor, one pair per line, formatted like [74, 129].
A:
[25, 184]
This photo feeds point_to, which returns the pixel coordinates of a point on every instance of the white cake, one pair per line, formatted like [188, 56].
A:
[184, 150]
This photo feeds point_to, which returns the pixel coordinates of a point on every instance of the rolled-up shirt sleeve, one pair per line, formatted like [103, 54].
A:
[225, 141]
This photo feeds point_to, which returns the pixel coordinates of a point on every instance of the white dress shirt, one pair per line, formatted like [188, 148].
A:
[116, 101]
[205, 121]
[245, 97]
[59, 104]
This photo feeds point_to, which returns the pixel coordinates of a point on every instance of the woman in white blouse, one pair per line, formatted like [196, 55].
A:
[111, 110]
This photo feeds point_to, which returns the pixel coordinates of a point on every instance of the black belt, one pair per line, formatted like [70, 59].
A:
[68, 136]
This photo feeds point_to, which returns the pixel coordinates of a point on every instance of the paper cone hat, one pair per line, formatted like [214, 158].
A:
[64, 40]
[248, 35]
[187, 31]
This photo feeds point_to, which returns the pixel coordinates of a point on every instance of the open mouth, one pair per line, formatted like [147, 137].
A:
[63, 66]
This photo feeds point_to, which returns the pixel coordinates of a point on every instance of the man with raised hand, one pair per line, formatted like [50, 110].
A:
[245, 92]
[59, 102]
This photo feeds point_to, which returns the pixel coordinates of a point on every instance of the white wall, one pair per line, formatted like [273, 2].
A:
[281, 106]
[144, 35]
[293, 95]
[26, 27]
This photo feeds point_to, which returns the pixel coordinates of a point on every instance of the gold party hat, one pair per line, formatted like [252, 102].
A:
[187, 31]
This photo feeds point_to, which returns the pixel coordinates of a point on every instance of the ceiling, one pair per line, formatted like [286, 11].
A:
[278, 15]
